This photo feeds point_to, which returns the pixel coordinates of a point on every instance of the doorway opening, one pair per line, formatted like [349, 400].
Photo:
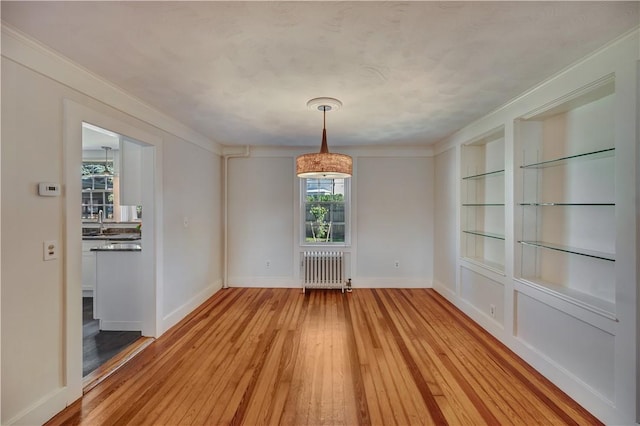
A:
[117, 187]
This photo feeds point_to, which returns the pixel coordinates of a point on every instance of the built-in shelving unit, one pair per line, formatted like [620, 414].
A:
[567, 230]
[482, 200]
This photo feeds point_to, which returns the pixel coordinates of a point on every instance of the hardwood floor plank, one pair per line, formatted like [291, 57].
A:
[423, 387]
[462, 371]
[558, 402]
[277, 356]
[205, 376]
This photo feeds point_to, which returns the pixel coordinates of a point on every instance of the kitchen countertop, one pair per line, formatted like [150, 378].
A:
[112, 237]
[118, 247]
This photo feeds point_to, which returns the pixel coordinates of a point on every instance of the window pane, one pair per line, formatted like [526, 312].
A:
[87, 183]
[99, 182]
[324, 211]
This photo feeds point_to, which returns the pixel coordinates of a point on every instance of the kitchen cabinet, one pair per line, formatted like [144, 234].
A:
[89, 270]
[89, 267]
[119, 294]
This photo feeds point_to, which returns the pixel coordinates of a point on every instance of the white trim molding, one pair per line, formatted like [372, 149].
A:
[39, 58]
[185, 309]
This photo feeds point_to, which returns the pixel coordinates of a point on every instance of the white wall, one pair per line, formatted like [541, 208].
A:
[192, 190]
[591, 355]
[34, 305]
[32, 290]
[444, 273]
[261, 221]
[394, 222]
[391, 219]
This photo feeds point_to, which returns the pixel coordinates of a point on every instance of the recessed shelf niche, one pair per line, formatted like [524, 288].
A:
[482, 200]
[566, 183]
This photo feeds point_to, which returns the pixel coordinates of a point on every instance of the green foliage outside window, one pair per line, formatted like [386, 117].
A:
[325, 198]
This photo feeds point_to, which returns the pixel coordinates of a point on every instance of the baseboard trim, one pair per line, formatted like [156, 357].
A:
[444, 291]
[599, 405]
[391, 282]
[42, 410]
[265, 282]
[185, 309]
[120, 325]
[357, 282]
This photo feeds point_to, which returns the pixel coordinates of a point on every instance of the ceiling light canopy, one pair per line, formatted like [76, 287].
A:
[324, 164]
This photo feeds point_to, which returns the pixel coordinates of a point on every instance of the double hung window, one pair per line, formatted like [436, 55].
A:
[325, 207]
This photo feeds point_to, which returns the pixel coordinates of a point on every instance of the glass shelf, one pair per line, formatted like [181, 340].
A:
[485, 234]
[560, 161]
[482, 204]
[483, 175]
[573, 250]
[567, 204]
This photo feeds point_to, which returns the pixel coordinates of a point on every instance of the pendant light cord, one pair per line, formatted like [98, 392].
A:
[324, 147]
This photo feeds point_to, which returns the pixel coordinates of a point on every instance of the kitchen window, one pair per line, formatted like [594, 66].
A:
[97, 189]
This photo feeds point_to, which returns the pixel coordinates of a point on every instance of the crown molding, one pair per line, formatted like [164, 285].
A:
[39, 58]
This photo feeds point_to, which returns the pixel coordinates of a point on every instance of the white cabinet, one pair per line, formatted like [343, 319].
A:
[89, 267]
[119, 290]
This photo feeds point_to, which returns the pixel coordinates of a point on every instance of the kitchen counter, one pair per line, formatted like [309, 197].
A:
[118, 247]
[112, 237]
[111, 232]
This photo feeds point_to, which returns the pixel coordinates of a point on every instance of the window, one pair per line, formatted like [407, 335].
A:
[97, 189]
[325, 208]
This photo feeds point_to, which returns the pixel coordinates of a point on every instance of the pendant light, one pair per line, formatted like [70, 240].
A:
[325, 164]
[106, 159]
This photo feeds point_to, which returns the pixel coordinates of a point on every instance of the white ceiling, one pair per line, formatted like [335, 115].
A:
[242, 72]
[95, 138]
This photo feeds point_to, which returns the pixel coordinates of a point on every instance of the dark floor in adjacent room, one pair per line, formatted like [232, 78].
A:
[100, 346]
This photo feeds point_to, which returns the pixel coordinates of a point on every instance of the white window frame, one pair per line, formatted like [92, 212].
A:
[347, 217]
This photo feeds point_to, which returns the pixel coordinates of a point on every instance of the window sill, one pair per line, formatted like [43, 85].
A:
[326, 245]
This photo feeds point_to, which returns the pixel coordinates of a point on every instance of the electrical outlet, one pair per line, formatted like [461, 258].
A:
[185, 222]
[396, 264]
[492, 311]
[268, 264]
[50, 250]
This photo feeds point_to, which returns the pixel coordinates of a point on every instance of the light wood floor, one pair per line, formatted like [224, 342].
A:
[276, 356]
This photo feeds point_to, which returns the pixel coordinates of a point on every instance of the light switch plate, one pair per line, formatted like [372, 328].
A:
[50, 250]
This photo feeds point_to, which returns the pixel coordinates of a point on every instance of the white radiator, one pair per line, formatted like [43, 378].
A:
[323, 269]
